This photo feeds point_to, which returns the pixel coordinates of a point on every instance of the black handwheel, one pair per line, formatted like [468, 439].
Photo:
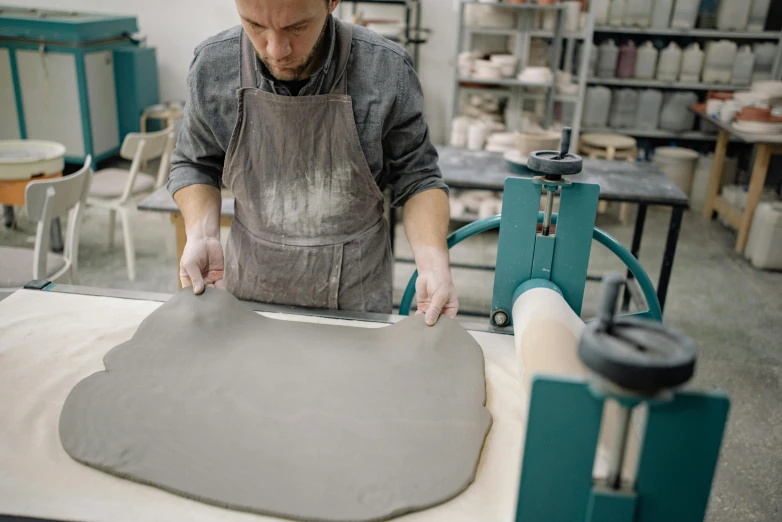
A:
[637, 354]
[554, 164]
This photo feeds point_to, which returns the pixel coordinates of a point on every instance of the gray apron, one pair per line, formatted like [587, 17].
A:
[309, 228]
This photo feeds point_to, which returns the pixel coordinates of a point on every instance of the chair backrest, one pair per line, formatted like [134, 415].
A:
[143, 146]
[52, 198]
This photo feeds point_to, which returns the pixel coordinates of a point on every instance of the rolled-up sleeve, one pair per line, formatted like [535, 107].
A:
[410, 157]
[198, 157]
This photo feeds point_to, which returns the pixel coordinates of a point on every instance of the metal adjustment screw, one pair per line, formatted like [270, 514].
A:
[556, 163]
[500, 317]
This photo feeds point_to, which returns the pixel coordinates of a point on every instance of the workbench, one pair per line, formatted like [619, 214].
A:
[619, 181]
[765, 146]
[54, 338]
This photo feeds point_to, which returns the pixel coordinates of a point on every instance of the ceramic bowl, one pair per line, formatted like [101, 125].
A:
[539, 75]
[758, 127]
[754, 114]
[529, 142]
[772, 88]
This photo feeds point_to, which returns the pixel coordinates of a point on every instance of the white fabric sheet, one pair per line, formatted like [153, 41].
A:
[50, 341]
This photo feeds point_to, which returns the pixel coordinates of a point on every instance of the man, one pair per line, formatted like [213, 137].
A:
[307, 119]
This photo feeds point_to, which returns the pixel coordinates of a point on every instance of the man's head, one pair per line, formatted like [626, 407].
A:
[286, 33]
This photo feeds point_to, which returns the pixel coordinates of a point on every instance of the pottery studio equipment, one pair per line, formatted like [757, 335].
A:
[589, 420]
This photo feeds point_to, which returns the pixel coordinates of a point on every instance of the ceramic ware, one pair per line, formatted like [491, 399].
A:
[529, 142]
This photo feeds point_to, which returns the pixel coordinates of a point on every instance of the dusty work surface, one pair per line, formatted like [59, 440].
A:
[307, 421]
[51, 341]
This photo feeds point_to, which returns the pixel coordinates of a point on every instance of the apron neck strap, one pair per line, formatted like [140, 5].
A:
[248, 61]
[344, 43]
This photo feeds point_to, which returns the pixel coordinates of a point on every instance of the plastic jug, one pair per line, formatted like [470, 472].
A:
[733, 15]
[718, 64]
[692, 62]
[669, 64]
[646, 61]
[675, 114]
[764, 244]
[764, 61]
[596, 106]
[685, 12]
[600, 8]
[625, 67]
[742, 66]
[606, 64]
[647, 114]
[707, 14]
[623, 108]
[638, 13]
[757, 15]
[661, 14]
[617, 13]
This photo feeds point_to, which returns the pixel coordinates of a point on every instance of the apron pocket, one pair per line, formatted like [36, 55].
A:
[268, 272]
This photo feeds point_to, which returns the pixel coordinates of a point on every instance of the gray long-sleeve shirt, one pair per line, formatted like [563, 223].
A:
[387, 107]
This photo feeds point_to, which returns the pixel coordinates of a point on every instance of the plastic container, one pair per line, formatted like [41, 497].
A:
[685, 12]
[661, 14]
[733, 15]
[757, 15]
[617, 12]
[647, 114]
[625, 67]
[678, 164]
[609, 55]
[764, 244]
[692, 63]
[765, 53]
[718, 64]
[596, 107]
[670, 63]
[742, 66]
[675, 114]
[646, 61]
[623, 108]
[601, 8]
[638, 13]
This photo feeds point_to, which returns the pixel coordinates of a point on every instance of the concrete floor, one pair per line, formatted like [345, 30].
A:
[733, 311]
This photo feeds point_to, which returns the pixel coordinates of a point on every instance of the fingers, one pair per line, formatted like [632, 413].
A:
[194, 276]
[435, 307]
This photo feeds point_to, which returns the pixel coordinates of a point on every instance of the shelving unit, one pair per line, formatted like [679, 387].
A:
[657, 84]
[655, 133]
[692, 33]
[414, 36]
[524, 31]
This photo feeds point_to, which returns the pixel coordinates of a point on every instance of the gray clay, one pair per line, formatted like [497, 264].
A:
[211, 401]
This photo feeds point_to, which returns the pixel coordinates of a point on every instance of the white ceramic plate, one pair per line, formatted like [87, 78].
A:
[604, 140]
[758, 127]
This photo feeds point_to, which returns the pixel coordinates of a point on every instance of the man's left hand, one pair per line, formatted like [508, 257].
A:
[434, 288]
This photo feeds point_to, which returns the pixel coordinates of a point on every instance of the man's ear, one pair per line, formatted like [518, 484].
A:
[333, 5]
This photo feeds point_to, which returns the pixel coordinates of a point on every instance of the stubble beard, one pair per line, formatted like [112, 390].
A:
[306, 63]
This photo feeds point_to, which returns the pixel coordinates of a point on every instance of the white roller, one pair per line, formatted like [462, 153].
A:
[546, 332]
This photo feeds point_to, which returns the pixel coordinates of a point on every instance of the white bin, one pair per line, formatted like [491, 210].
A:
[764, 246]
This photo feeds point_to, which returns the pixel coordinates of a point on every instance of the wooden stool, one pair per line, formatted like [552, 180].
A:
[611, 147]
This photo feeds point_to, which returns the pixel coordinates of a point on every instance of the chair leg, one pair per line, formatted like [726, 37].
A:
[112, 227]
[130, 252]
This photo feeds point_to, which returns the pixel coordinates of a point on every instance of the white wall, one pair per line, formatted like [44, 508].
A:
[175, 27]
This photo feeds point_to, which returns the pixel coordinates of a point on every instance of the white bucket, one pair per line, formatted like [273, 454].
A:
[678, 164]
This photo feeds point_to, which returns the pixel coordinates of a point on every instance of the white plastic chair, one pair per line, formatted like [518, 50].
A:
[114, 189]
[46, 200]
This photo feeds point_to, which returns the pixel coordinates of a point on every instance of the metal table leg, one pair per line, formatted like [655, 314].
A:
[8, 213]
[638, 233]
[670, 251]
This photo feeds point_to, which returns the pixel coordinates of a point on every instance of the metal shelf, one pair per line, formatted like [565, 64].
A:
[631, 82]
[518, 7]
[656, 133]
[475, 29]
[535, 33]
[506, 82]
[697, 33]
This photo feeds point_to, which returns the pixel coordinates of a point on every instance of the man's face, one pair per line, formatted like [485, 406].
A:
[285, 33]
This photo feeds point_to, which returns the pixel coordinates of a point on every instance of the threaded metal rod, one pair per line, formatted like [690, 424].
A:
[548, 212]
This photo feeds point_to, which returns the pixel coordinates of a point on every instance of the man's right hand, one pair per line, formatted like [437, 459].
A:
[202, 260]
[202, 263]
